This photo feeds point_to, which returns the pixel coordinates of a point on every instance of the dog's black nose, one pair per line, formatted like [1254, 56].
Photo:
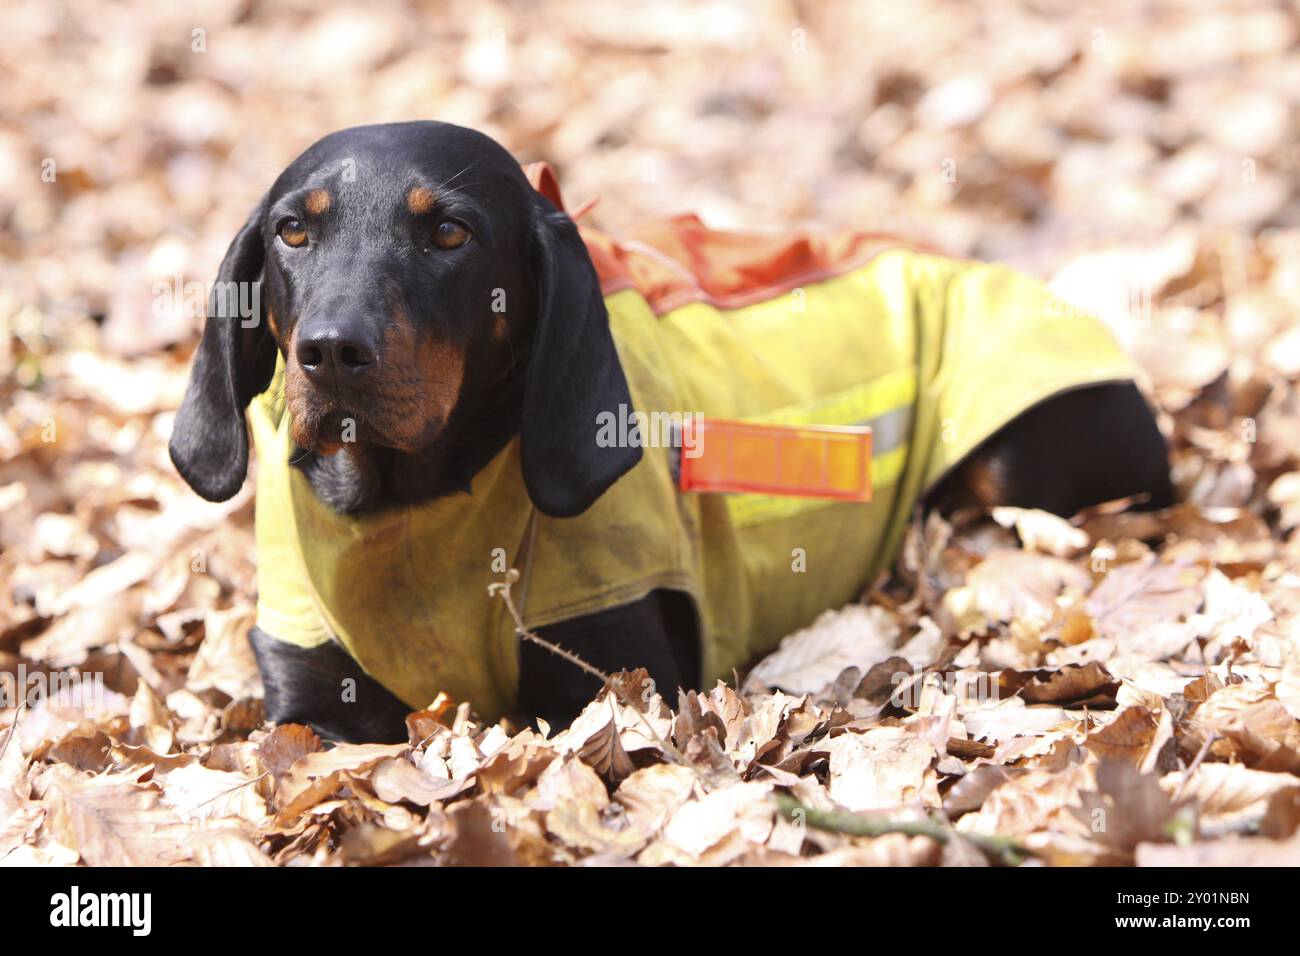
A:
[332, 357]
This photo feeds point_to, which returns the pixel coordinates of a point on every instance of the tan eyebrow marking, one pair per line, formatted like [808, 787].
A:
[318, 201]
[420, 200]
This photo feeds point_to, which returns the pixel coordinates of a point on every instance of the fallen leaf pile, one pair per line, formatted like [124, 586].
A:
[1122, 688]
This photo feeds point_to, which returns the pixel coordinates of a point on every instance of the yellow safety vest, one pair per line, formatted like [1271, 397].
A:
[936, 354]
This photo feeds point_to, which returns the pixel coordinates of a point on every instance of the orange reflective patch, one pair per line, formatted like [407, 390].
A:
[806, 461]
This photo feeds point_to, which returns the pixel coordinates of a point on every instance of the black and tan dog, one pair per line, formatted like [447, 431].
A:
[431, 377]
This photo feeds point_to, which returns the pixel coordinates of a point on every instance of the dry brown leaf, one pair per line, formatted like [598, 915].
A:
[197, 793]
[1230, 796]
[1133, 598]
[111, 820]
[1043, 531]
[1262, 733]
[1012, 585]
[578, 823]
[1129, 807]
[1230, 851]
[103, 583]
[19, 824]
[1287, 690]
[397, 779]
[567, 780]
[225, 659]
[1129, 736]
[1077, 685]
[1039, 800]
[1012, 718]
[151, 723]
[651, 796]
[314, 777]
[885, 767]
[515, 766]
[892, 849]
[596, 738]
[810, 659]
[973, 788]
[724, 821]
[284, 746]
[478, 836]
[226, 846]
[373, 845]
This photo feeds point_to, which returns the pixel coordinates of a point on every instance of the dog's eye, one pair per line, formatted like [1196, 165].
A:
[450, 234]
[292, 233]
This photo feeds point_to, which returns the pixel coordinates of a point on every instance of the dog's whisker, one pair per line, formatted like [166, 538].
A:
[441, 186]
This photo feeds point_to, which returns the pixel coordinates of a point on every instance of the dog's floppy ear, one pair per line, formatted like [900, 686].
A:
[573, 375]
[235, 361]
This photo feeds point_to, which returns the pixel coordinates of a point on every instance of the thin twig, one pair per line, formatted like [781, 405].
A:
[502, 589]
[1004, 849]
[1196, 762]
[12, 728]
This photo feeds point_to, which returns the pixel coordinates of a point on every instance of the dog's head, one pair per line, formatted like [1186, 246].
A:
[409, 275]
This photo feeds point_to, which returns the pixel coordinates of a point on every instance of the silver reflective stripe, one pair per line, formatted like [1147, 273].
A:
[889, 430]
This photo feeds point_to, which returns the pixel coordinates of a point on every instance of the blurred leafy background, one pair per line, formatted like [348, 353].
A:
[1021, 131]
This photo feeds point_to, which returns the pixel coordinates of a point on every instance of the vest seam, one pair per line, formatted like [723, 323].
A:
[678, 298]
